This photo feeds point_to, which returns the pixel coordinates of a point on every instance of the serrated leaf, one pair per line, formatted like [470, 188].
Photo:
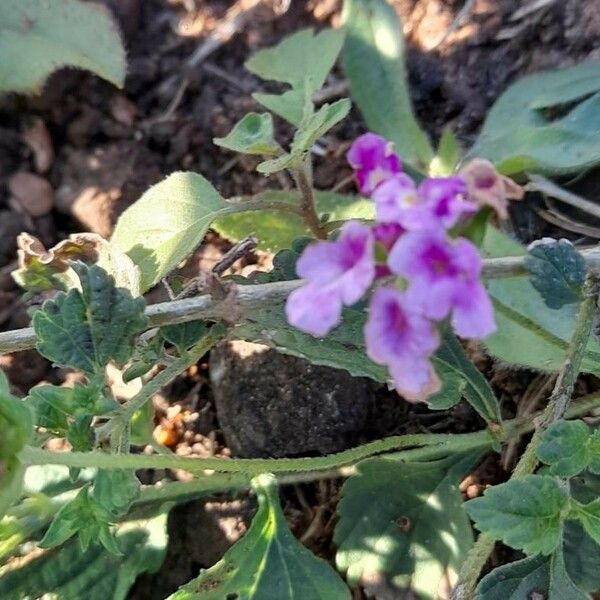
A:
[564, 447]
[557, 271]
[253, 134]
[373, 59]
[84, 517]
[589, 517]
[276, 230]
[529, 333]
[184, 335]
[582, 557]
[520, 133]
[167, 223]
[302, 60]
[404, 523]
[85, 330]
[37, 37]
[523, 579]
[308, 133]
[115, 491]
[524, 514]
[268, 562]
[94, 575]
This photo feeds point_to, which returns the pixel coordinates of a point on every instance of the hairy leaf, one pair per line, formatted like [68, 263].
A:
[84, 517]
[184, 335]
[37, 37]
[404, 523]
[543, 576]
[373, 59]
[310, 131]
[564, 447]
[167, 223]
[85, 330]
[557, 271]
[277, 230]
[268, 562]
[521, 134]
[582, 558]
[253, 134]
[302, 60]
[529, 333]
[115, 491]
[589, 517]
[96, 574]
[524, 514]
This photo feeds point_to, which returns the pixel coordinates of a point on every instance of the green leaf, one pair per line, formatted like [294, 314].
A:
[94, 575]
[310, 131]
[557, 271]
[268, 562]
[404, 523]
[253, 134]
[589, 517]
[447, 157]
[582, 558]
[86, 518]
[454, 386]
[115, 491]
[529, 333]
[564, 447]
[523, 579]
[521, 134]
[11, 483]
[524, 514]
[373, 59]
[184, 335]
[52, 406]
[302, 60]
[594, 452]
[167, 223]
[37, 37]
[477, 391]
[85, 330]
[276, 230]
[16, 421]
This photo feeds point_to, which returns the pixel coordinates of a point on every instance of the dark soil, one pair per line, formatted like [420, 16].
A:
[99, 148]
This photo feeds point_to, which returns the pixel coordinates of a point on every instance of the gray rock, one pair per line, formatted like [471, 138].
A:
[273, 405]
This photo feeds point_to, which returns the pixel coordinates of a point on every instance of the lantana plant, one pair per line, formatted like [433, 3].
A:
[385, 284]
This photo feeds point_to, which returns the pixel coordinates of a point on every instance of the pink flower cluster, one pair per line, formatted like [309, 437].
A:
[425, 275]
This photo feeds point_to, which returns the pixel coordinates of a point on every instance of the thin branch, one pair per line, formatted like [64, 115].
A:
[555, 410]
[249, 297]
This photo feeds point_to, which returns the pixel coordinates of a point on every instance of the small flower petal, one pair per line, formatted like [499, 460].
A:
[473, 314]
[374, 161]
[314, 310]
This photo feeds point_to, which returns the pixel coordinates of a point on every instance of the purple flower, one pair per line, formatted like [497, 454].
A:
[443, 278]
[337, 273]
[400, 337]
[396, 201]
[386, 235]
[374, 161]
[445, 199]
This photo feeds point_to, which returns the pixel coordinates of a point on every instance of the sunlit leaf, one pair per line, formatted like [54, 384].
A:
[38, 37]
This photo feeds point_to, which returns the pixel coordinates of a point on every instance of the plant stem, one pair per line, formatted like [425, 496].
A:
[307, 201]
[448, 443]
[122, 416]
[555, 410]
[249, 297]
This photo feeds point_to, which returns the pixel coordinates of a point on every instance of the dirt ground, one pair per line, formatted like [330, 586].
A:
[89, 150]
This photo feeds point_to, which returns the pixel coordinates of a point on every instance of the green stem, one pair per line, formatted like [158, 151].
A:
[556, 409]
[448, 443]
[307, 201]
[122, 417]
